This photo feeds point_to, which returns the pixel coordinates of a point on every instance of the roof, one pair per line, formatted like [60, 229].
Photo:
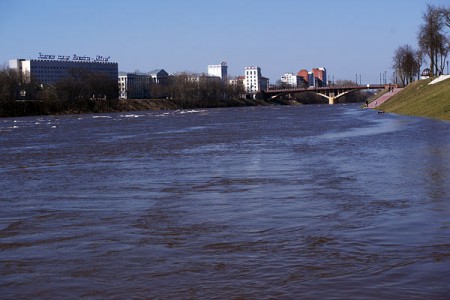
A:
[133, 73]
[157, 71]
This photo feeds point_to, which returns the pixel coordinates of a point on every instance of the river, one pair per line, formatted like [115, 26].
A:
[284, 202]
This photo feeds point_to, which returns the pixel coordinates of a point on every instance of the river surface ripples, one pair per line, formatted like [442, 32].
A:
[279, 202]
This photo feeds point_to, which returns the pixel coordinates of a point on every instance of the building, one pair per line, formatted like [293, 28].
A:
[140, 85]
[239, 80]
[317, 77]
[135, 85]
[263, 83]
[49, 69]
[254, 82]
[320, 75]
[159, 76]
[219, 71]
[425, 74]
[306, 77]
[291, 80]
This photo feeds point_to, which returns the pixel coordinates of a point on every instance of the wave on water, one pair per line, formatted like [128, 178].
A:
[191, 111]
[101, 117]
[131, 116]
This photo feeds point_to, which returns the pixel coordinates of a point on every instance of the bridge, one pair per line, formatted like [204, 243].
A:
[331, 93]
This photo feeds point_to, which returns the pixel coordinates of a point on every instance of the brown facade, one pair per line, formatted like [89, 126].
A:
[303, 74]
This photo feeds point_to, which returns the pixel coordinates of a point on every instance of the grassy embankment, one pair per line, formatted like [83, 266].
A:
[421, 99]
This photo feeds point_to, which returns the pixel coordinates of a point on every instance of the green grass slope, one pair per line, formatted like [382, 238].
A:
[421, 99]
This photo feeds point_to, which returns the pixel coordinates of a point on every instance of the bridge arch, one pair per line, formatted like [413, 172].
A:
[331, 98]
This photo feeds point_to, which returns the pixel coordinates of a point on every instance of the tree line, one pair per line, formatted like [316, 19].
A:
[203, 91]
[85, 91]
[80, 91]
[433, 44]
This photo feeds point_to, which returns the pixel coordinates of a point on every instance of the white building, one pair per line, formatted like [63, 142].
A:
[52, 68]
[290, 80]
[135, 85]
[219, 71]
[254, 82]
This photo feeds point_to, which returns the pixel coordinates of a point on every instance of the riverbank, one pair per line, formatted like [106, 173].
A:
[57, 107]
[421, 99]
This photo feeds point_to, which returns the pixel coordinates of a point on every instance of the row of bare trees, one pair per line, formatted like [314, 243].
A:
[434, 44]
[432, 37]
[84, 91]
[407, 63]
[80, 91]
[203, 90]
[192, 90]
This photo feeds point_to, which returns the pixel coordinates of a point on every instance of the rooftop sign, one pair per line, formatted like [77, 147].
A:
[74, 58]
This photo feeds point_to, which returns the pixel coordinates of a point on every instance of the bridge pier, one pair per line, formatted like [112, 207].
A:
[331, 100]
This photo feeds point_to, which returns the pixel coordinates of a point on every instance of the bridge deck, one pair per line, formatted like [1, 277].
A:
[326, 89]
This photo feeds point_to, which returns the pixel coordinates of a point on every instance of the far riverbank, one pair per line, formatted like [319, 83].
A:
[19, 108]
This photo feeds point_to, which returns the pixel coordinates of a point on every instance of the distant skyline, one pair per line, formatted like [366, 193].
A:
[347, 37]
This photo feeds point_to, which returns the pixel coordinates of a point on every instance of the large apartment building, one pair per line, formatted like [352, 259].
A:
[49, 69]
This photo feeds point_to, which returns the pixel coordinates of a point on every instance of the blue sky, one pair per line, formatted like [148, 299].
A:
[347, 37]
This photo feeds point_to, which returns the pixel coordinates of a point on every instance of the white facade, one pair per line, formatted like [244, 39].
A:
[53, 70]
[252, 79]
[291, 80]
[219, 71]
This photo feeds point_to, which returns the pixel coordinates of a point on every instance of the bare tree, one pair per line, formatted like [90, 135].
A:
[406, 63]
[432, 39]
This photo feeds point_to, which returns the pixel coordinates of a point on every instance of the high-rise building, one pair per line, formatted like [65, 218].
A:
[220, 70]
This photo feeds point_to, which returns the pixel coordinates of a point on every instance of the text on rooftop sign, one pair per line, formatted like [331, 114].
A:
[75, 57]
